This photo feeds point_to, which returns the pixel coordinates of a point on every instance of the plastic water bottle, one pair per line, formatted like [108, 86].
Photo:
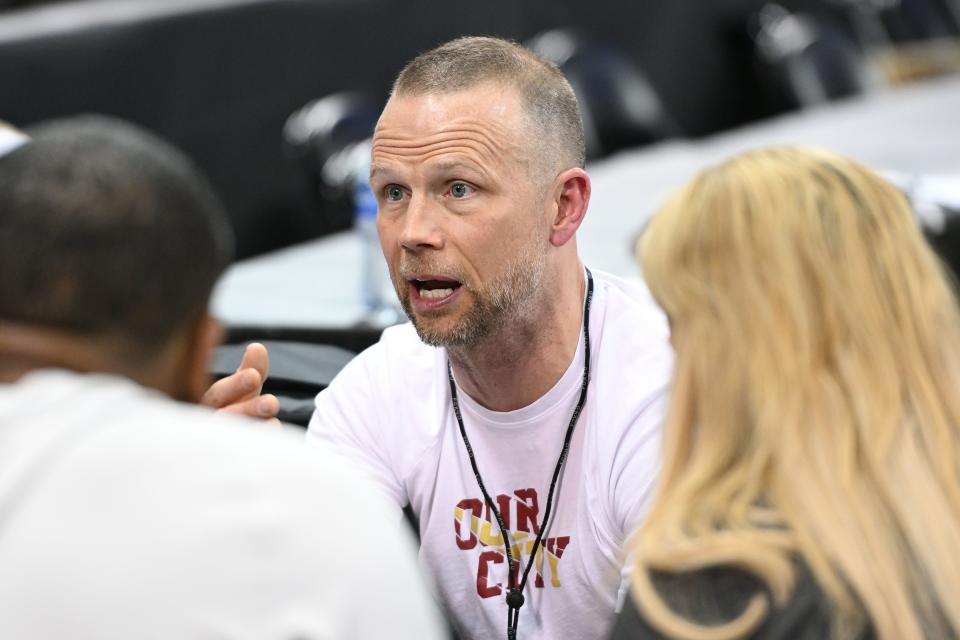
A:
[376, 290]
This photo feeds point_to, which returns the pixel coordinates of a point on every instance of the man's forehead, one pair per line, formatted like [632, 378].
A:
[464, 144]
[482, 124]
[493, 105]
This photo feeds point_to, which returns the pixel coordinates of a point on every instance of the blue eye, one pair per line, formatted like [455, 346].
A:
[461, 190]
[393, 193]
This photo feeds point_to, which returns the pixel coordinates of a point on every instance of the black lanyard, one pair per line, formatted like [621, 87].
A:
[514, 591]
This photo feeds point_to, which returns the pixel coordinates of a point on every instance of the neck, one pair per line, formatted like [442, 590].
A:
[26, 348]
[521, 362]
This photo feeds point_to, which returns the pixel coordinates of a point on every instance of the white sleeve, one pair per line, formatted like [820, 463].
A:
[636, 466]
[391, 593]
[381, 589]
[349, 418]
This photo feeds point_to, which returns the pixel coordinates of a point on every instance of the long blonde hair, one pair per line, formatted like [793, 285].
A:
[814, 412]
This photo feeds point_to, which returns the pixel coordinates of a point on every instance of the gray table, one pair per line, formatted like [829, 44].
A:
[913, 130]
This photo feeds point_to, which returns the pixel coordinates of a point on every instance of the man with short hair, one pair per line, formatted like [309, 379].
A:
[519, 414]
[125, 514]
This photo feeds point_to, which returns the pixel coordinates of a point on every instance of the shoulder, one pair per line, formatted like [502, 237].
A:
[384, 379]
[399, 355]
[625, 312]
[632, 360]
[93, 436]
[198, 504]
[217, 451]
[631, 363]
[397, 373]
[396, 379]
[387, 407]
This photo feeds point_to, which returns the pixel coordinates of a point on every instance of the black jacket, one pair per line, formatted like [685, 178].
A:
[717, 595]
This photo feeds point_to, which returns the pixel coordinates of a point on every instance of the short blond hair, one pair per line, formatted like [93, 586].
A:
[551, 105]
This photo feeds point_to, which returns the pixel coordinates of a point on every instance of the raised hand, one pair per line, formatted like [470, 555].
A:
[240, 392]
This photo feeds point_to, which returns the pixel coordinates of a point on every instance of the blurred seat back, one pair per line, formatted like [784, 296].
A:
[329, 139]
[808, 59]
[298, 372]
[620, 107]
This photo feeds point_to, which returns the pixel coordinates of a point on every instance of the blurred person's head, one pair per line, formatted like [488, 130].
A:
[814, 411]
[110, 244]
[478, 170]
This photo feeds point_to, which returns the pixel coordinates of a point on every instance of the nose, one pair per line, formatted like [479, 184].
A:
[419, 225]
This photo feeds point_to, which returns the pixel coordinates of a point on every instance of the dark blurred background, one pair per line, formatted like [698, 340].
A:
[220, 78]
[275, 100]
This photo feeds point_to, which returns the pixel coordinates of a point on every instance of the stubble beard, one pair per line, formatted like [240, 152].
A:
[509, 299]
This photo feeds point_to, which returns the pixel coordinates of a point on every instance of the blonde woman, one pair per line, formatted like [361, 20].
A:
[810, 482]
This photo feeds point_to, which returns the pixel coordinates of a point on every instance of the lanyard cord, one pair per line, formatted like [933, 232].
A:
[514, 592]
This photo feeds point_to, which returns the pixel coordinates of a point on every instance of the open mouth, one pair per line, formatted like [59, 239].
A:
[432, 291]
[435, 289]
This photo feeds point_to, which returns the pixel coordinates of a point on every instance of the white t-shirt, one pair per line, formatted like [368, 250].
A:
[126, 515]
[390, 410]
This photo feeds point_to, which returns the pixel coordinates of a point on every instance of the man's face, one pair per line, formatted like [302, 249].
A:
[464, 228]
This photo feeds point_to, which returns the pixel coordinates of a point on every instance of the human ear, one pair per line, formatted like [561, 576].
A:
[571, 197]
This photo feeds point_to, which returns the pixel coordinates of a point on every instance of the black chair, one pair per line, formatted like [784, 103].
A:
[298, 372]
[328, 138]
[620, 107]
[912, 20]
[806, 59]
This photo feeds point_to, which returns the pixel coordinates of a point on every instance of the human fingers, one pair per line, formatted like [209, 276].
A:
[243, 385]
[263, 407]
